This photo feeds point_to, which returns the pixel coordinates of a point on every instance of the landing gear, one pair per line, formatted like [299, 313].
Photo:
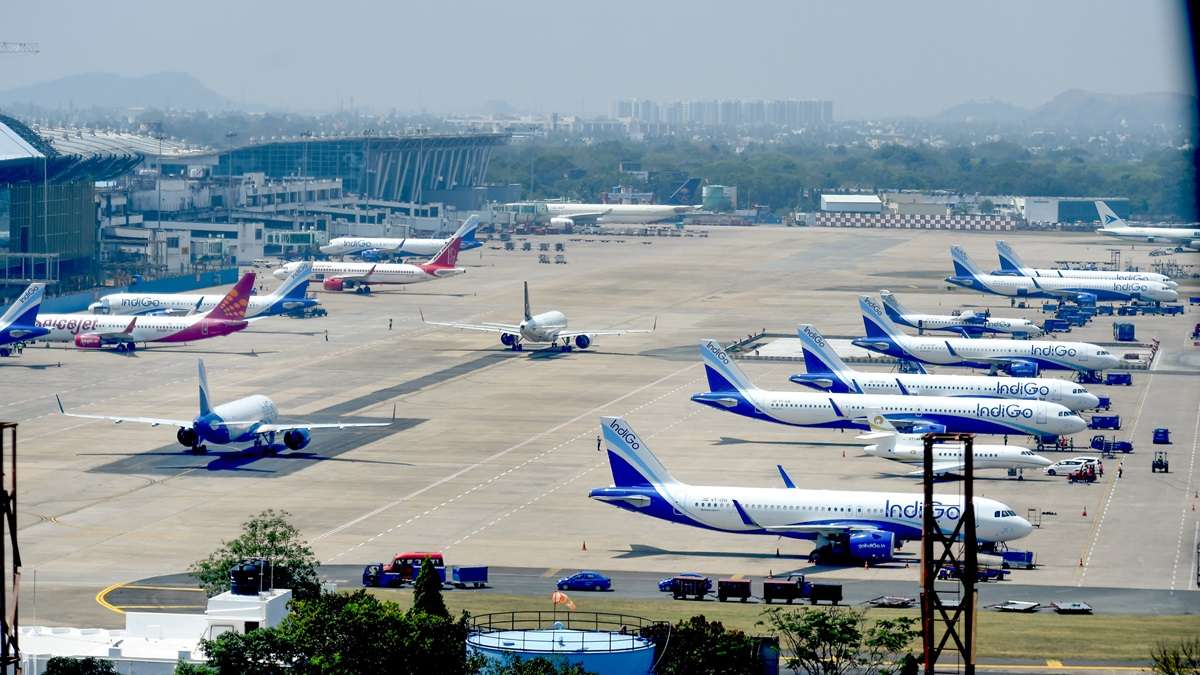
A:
[199, 449]
[566, 345]
[5, 351]
[516, 346]
[362, 289]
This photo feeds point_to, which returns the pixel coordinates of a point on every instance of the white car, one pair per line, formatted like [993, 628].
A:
[1066, 466]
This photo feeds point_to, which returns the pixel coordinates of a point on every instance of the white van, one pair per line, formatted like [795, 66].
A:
[1066, 466]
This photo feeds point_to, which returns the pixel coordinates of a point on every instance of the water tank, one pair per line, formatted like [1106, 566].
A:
[605, 644]
[250, 577]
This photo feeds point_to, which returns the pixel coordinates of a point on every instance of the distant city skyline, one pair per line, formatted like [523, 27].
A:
[873, 60]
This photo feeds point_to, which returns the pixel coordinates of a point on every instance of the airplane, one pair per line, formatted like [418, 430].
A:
[546, 327]
[290, 296]
[1011, 263]
[564, 214]
[378, 247]
[337, 276]
[966, 324]
[731, 391]
[967, 275]
[1113, 225]
[827, 372]
[947, 457]
[94, 331]
[247, 420]
[19, 323]
[1020, 358]
[846, 526]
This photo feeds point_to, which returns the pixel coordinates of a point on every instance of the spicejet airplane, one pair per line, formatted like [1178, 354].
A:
[730, 390]
[290, 295]
[966, 324]
[827, 372]
[1017, 357]
[91, 331]
[360, 276]
[19, 323]
[1114, 226]
[947, 457]
[373, 248]
[847, 526]
[547, 327]
[246, 420]
[1011, 263]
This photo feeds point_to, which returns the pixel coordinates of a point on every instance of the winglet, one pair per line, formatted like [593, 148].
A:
[393, 414]
[746, 519]
[787, 481]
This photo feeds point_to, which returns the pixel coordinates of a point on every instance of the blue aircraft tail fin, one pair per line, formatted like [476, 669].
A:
[892, 306]
[963, 266]
[1009, 260]
[875, 320]
[24, 311]
[632, 463]
[723, 374]
[205, 401]
[820, 358]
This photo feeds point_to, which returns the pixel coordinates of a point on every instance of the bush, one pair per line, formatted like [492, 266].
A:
[1180, 658]
[697, 645]
[535, 666]
[837, 640]
[66, 665]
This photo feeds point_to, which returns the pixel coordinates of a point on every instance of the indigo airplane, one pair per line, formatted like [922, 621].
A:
[948, 458]
[337, 276]
[827, 372]
[247, 420]
[19, 323]
[290, 296]
[967, 275]
[846, 526]
[967, 324]
[730, 390]
[547, 327]
[1113, 225]
[376, 248]
[1023, 358]
[92, 331]
[1011, 263]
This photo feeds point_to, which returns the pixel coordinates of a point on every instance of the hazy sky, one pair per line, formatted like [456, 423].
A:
[870, 58]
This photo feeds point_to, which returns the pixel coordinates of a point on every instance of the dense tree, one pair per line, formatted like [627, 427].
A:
[535, 666]
[268, 535]
[427, 591]
[697, 645]
[837, 640]
[66, 665]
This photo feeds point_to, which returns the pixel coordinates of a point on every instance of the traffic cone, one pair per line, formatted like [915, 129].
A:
[776, 551]
[585, 541]
[1085, 510]
[866, 564]
[1081, 562]
[843, 453]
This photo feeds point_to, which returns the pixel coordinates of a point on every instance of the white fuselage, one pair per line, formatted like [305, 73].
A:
[1106, 289]
[712, 506]
[64, 327]
[1098, 274]
[379, 273]
[543, 327]
[619, 213]
[990, 325]
[982, 352]
[1063, 392]
[247, 413]
[909, 449]
[1185, 236]
[425, 248]
[177, 303]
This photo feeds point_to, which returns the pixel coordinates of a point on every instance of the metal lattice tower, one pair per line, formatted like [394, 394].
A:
[948, 615]
[10, 653]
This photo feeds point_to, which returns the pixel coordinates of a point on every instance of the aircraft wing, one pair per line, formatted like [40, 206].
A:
[353, 277]
[483, 326]
[825, 528]
[586, 217]
[111, 336]
[152, 421]
[610, 331]
[939, 467]
[276, 428]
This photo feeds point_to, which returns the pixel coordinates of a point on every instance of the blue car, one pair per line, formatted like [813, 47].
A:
[585, 581]
[664, 585]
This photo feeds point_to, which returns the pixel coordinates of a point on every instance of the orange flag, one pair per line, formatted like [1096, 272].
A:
[560, 598]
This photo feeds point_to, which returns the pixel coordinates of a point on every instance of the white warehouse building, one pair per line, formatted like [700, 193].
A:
[851, 203]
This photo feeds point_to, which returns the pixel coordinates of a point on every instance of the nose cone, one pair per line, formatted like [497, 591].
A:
[1019, 527]
[1170, 295]
[1038, 460]
[1073, 424]
[1171, 284]
[1086, 401]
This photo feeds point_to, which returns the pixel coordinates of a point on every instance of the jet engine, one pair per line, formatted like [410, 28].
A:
[334, 284]
[373, 255]
[583, 341]
[88, 341]
[507, 339]
[297, 439]
[872, 547]
[1022, 369]
[187, 437]
[562, 223]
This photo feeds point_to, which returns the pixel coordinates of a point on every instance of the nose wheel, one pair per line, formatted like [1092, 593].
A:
[199, 449]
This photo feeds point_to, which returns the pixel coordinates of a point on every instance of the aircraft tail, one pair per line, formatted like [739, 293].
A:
[232, 307]
[632, 463]
[1108, 217]
[448, 255]
[295, 287]
[528, 314]
[876, 322]
[882, 432]
[892, 307]
[821, 359]
[723, 374]
[468, 229]
[24, 311]
[963, 266]
[205, 400]
[1009, 260]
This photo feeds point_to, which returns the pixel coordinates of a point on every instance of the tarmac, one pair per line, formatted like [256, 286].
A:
[493, 452]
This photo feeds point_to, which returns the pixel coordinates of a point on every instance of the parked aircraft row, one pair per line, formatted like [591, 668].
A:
[376, 248]
[290, 296]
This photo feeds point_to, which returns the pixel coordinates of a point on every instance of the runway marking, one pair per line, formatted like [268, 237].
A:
[553, 571]
[161, 606]
[1187, 497]
[189, 589]
[495, 456]
[100, 597]
[1112, 490]
[1054, 663]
